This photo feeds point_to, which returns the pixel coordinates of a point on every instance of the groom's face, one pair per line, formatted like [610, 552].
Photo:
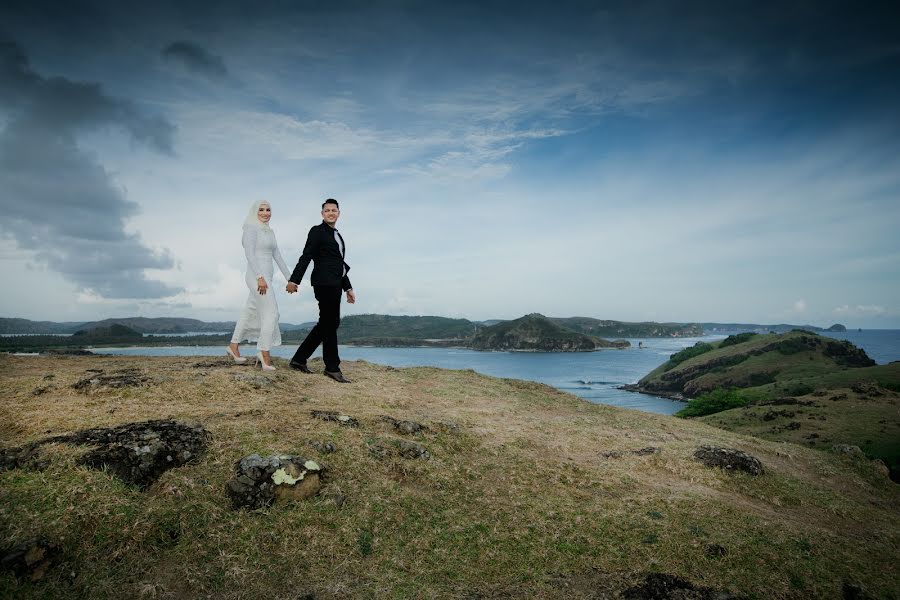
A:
[330, 214]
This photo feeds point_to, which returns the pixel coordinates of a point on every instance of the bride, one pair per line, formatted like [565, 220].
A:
[259, 319]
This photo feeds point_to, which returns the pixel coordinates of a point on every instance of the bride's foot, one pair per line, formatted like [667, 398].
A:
[262, 362]
[233, 351]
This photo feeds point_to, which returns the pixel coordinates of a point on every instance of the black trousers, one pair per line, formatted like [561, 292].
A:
[325, 331]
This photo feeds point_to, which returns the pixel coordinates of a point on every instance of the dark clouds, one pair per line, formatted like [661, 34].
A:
[56, 199]
[196, 59]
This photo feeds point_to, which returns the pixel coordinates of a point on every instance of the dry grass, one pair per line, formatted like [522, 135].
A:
[516, 501]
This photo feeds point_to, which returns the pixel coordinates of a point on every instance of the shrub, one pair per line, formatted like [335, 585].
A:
[712, 402]
[695, 350]
[799, 389]
[739, 338]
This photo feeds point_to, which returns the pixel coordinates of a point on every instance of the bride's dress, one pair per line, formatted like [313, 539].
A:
[259, 319]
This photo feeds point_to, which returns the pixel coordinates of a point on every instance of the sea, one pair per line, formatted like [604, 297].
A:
[594, 376]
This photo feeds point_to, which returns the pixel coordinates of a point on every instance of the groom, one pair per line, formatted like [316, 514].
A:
[325, 247]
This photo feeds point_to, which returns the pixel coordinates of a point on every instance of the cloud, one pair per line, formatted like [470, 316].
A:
[195, 59]
[57, 201]
[860, 311]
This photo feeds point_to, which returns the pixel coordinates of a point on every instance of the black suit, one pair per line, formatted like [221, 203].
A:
[329, 279]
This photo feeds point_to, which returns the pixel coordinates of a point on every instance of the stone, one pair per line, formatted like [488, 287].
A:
[323, 447]
[32, 559]
[662, 586]
[259, 481]
[848, 450]
[335, 416]
[728, 459]
[25, 457]
[138, 453]
[412, 450]
[407, 427]
[257, 381]
[130, 377]
[853, 591]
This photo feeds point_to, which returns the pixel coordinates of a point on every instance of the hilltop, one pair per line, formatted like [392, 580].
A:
[535, 332]
[798, 387]
[519, 491]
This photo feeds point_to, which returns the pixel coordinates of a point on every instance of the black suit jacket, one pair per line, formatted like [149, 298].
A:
[322, 249]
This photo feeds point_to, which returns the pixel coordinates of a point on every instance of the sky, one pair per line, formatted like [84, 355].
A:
[665, 161]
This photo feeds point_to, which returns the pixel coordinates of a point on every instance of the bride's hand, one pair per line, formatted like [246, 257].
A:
[261, 286]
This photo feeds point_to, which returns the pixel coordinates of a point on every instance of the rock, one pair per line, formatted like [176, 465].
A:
[41, 390]
[662, 586]
[323, 447]
[774, 414]
[333, 415]
[257, 381]
[848, 450]
[412, 450]
[641, 452]
[26, 457]
[715, 550]
[260, 481]
[31, 559]
[131, 377]
[729, 459]
[852, 591]
[407, 427]
[138, 453]
[448, 426]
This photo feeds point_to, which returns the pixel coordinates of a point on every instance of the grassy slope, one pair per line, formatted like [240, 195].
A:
[519, 502]
[839, 414]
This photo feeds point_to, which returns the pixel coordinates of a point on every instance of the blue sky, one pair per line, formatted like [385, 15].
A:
[632, 161]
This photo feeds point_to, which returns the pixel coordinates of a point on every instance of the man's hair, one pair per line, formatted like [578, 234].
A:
[331, 201]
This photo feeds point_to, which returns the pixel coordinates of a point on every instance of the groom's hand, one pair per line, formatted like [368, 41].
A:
[351, 297]
[291, 287]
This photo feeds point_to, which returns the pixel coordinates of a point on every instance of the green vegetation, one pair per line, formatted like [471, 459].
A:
[535, 332]
[620, 329]
[688, 353]
[713, 402]
[738, 338]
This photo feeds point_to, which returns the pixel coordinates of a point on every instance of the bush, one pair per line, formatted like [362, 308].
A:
[739, 338]
[799, 389]
[695, 350]
[713, 402]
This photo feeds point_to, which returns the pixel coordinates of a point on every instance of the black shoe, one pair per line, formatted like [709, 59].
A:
[300, 366]
[337, 376]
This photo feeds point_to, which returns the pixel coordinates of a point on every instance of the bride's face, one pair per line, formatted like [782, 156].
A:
[264, 213]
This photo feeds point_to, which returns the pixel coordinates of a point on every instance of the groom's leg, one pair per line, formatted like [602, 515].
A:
[329, 298]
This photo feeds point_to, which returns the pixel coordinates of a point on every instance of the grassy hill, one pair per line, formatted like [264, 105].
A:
[527, 492]
[798, 387]
[355, 327]
[621, 329]
[535, 332]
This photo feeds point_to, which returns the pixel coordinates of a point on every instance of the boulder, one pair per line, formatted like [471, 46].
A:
[729, 459]
[259, 481]
[407, 427]
[335, 416]
[30, 560]
[662, 586]
[138, 453]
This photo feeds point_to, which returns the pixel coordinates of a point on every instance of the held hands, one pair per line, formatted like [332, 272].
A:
[261, 286]
[291, 287]
[351, 297]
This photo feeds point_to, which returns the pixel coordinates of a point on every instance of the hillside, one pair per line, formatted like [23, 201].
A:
[798, 387]
[535, 332]
[513, 490]
[621, 329]
[356, 327]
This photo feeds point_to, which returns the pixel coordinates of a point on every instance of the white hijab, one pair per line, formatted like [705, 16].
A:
[252, 219]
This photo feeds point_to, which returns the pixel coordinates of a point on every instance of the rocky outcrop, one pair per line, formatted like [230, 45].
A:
[30, 560]
[728, 459]
[137, 453]
[259, 481]
[662, 586]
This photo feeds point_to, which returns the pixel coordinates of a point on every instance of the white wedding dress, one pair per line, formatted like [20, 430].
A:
[259, 319]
